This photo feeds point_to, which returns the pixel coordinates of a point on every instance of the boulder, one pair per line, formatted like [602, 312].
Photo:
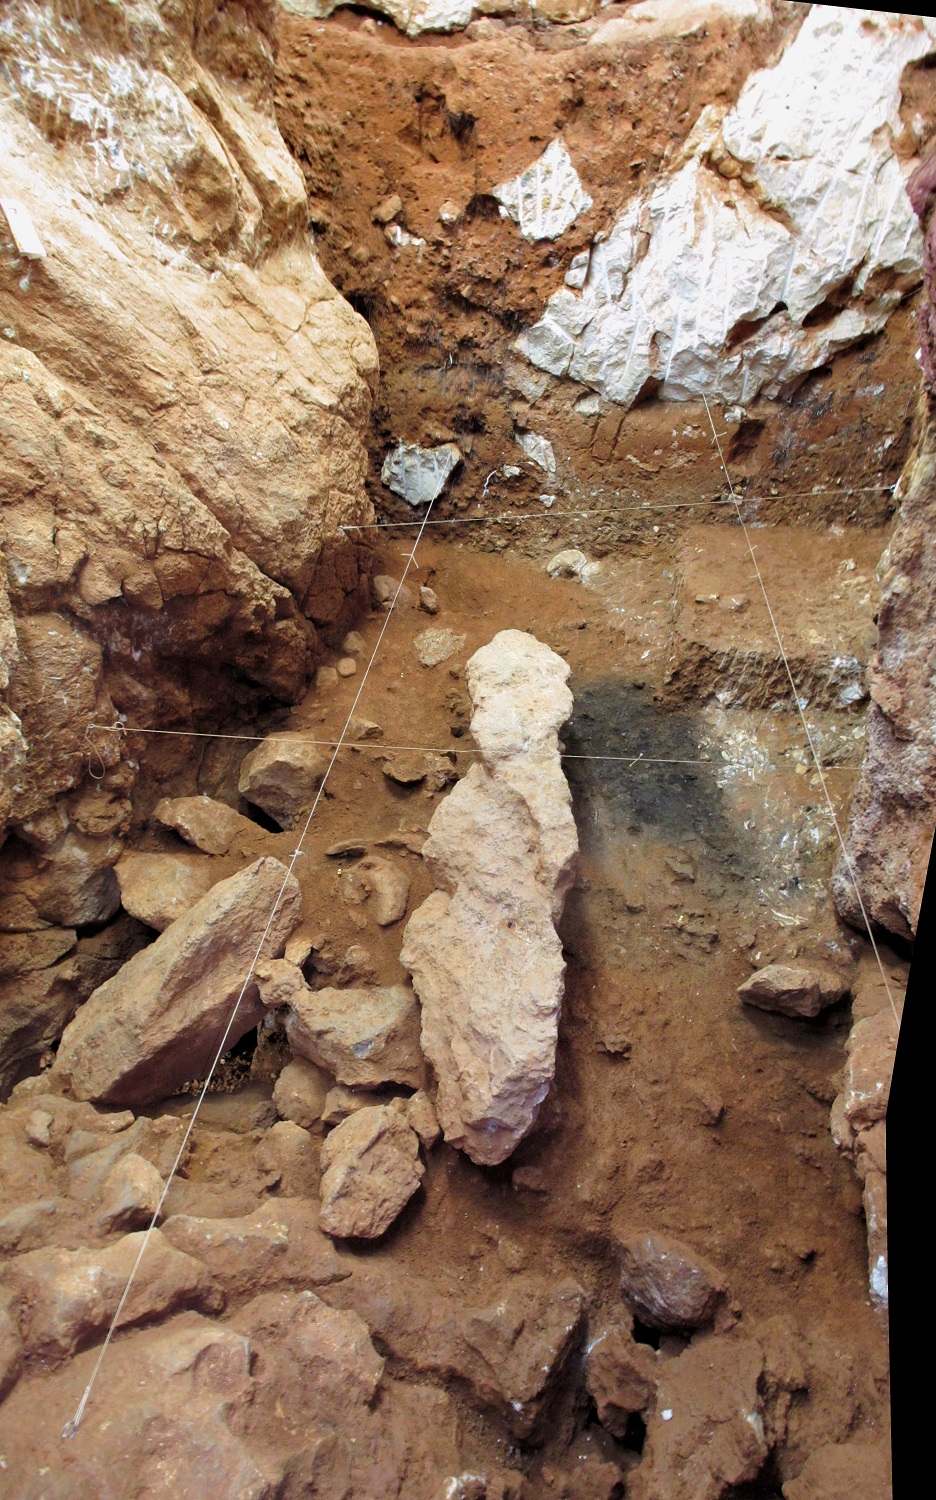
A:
[300, 1092]
[158, 1023]
[157, 888]
[792, 991]
[361, 1036]
[371, 1169]
[282, 776]
[210, 825]
[67, 1298]
[483, 950]
[666, 1283]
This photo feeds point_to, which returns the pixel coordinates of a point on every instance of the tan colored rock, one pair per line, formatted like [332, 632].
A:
[282, 776]
[621, 1377]
[71, 882]
[363, 1037]
[341, 1101]
[418, 1112]
[67, 1297]
[386, 884]
[157, 888]
[280, 981]
[567, 12]
[130, 1194]
[278, 1244]
[11, 1352]
[300, 1092]
[870, 1050]
[483, 950]
[371, 1169]
[792, 991]
[159, 1021]
[437, 644]
[210, 825]
[666, 1283]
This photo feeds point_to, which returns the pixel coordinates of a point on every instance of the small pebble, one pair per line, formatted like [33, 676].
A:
[347, 666]
[354, 643]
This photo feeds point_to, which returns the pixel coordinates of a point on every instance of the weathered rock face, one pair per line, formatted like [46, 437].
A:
[364, 1037]
[893, 810]
[704, 284]
[282, 776]
[183, 391]
[158, 1023]
[483, 950]
[158, 888]
[371, 1169]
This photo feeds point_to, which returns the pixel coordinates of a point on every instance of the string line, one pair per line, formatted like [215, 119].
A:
[799, 708]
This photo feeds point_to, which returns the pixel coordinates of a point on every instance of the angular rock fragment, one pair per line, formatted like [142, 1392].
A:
[158, 1022]
[341, 1101]
[282, 776]
[437, 644]
[371, 1169]
[664, 1282]
[419, 475]
[546, 198]
[130, 1194]
[417, 1110]
[157, 888]
[67, 1297]
[483, 950]
[278, 1244]
[331, 1346]
[792, 991]
[361, 1036]
[621, 1377]
[210, 825]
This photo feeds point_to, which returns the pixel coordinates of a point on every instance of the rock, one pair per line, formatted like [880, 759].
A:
[278, 1244]
[286, 1155]
[68, 1297]
[540, 450]
[856, 1470]
[211, 826]
[354, 643]
[893, 808]
[282, 776]
[707, 1433]
[157, 888]
[347, 666]
[620, 1377]
[157, 1024]
[567, 564]
[428, 600]
[419, 475]
[870, 1051]
[325, 679]
[300, 1092]
[792, 991]
[385, 589]
[35, 1008]
[341, 1101]
[72, 883]
[756, 206]
[405, 770]
[437, 644]
[330, 1345]
[11, 1352]
[130, 1194]
[371, 1169]
[361, 1036]
[411, 18]
[419, 1113]
[665, 1283]
[546, 198]
[874, 1200]
[388, 209]
[567, 12]
[279, 981]
[385, 885]
[483, 951]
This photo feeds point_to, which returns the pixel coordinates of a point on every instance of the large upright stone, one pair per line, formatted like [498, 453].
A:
[482, 949]
[158, 1023]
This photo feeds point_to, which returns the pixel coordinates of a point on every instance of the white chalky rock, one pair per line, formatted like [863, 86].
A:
[482, 949]
[793, 204]
[411, 16]
[419, 475]
[540, 450]
[546, 198]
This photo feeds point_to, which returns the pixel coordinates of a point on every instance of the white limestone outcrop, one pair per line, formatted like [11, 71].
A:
[791, 205]
[482, 949]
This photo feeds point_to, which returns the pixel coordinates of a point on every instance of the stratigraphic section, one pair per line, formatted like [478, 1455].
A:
[482, 949]
[782, 235]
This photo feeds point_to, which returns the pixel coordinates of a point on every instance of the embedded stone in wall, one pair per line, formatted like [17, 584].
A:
[410, 16]
[539, 450]
[792, 204]
[483, 949]
[419, 475]
[546, 198]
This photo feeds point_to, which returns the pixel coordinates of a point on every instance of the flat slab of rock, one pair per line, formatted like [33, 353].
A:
[279, 1244]
[209, 825]
[157, 888]
[371, 1169]
[158, 1022]
[792, 991]
[665, 1283]
[282, 776]
[437, 644]
[483, 950]
[363, 1037]
[419, 475]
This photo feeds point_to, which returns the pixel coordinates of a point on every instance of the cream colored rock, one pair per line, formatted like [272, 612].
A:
[157, 888]
[341, 1101]
[210, 825]
[363, 1037]
[705, 283]
[282, 776]
[411, 16]
[158, 1022]
[300, 1092]
[384, 886]
[371, 1169]
[435, 645]
[483, 950]
[547, 197]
